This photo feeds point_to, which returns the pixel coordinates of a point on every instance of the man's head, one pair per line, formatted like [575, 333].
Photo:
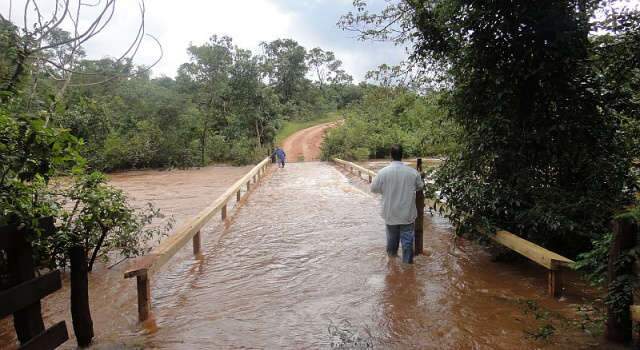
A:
[396, 152]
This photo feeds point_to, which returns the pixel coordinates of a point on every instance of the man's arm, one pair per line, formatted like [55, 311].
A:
[376, 184]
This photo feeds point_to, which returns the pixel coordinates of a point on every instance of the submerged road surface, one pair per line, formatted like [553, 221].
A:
[303, 266]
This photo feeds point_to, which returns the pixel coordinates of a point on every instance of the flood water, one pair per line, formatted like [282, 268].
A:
[179, 194]
[302, 265]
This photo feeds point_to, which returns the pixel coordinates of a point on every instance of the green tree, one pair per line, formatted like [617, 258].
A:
[285, 66]
[326, 68]
[541, 153]
[208, 74]
[539, 156]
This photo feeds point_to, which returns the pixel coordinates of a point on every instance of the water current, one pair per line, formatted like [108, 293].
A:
[302, 265]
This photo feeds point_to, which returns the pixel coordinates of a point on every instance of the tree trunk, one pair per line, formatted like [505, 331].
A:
[258, 134]
[98, 246]
[203, 143]
[619, 326]
[80, 311]
[27, 322]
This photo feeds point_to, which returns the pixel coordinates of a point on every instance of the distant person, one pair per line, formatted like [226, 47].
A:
[279, 153]
[398, 184]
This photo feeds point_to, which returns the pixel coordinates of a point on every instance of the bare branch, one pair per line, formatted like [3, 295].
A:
[26, 10]
[146, 69]
[89, 33]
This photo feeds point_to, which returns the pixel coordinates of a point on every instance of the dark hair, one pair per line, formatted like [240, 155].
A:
[396, 152]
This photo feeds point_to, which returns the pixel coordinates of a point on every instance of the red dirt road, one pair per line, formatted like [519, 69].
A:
[304, 145]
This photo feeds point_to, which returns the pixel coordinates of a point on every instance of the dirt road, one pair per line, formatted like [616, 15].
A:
[304, 145]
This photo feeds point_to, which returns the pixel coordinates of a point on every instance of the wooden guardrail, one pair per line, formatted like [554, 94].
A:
[23, 300]
[355, 167]
[143, 267]
[553, 262]
[635, 313]
[28, 293]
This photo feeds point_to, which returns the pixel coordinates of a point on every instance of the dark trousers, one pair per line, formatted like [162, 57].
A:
[397, 234]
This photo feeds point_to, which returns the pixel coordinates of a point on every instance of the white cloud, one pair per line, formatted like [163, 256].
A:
[176, 24]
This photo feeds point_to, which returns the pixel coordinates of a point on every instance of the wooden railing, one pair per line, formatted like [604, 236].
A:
[143, 267]
[553, 262]
[23, 300]
[357, 168]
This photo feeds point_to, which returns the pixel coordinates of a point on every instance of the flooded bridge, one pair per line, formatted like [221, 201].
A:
[300, 263]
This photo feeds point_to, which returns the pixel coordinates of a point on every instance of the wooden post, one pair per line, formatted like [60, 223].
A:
[635, 320]
[619, 325]
[554, 282]
[418, 227]
[238, 196]
[27, 322]
[80, 310]
[196, 243]
[223, 212]
[144, 297]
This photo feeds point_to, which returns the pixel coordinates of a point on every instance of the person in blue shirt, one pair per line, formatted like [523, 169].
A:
[279, 153]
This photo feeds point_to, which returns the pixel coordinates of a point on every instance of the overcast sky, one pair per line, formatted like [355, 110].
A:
[177, 23]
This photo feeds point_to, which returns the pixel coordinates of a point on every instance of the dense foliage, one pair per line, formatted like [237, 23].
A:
[385, 116]
[541, 155]
[225, 105]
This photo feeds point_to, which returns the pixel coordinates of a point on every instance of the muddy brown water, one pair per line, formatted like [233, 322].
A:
[301, 265]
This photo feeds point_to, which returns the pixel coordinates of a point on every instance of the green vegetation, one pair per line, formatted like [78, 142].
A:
[385, 116]
[541, 110]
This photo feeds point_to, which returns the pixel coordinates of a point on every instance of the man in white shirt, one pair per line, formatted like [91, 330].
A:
[398, 184]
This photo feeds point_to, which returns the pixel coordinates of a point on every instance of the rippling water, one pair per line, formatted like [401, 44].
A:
[302, 265]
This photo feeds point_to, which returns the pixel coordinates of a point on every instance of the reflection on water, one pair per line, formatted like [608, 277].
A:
[304, 264]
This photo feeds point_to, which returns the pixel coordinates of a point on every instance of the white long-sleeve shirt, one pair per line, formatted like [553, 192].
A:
[398, 184]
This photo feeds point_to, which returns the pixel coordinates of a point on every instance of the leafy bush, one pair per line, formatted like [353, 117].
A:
[386, 116]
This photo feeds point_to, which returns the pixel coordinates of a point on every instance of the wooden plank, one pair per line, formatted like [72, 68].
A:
[635, 313]
[554, 286]
[27, 321]
[49, 339]
[534, 252]
[542, 256]
[28, 293]
[166, 250]
[140, 265]
[355, 166]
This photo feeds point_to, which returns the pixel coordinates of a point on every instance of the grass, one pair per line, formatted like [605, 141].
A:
[290, 127]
